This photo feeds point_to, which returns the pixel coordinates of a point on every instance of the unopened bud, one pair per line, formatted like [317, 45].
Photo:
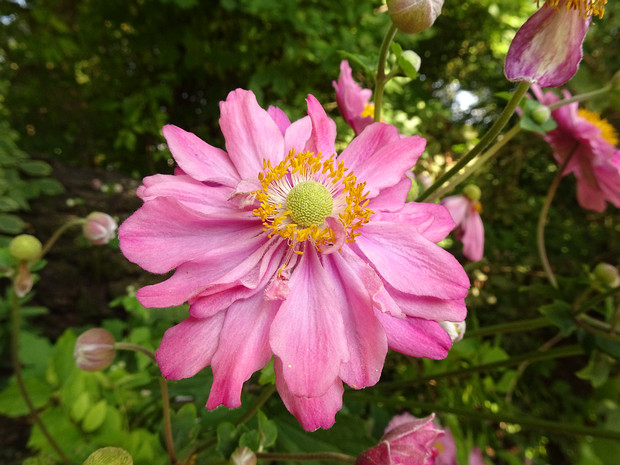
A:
[412, 58]
[23, 281]
[606, 275]
[541, 114]
[413, 16]
[472, 192]
[456, 331]
[25, 247]
[100, 228]
[94, 350]
[243, 456]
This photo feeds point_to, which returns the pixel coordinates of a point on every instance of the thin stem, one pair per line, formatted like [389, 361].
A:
[514, 327]
[59, 232]
[380, 80]
[542, 220]
[135, 348]
[264, 397]
[326, 456]
[491, 134]
[456, 180]
[580, 97]
[15, 328]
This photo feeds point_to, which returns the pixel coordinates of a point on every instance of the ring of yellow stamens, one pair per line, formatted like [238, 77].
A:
[586, 7]
[608, 132]
[302, 191]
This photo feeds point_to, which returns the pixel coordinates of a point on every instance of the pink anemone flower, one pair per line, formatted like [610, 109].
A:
[465, 211]
[408, 441]
[285, 251]
[353, 101]
[590, 142]
[548, 48]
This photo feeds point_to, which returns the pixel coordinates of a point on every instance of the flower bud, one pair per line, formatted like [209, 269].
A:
[412, 16]
[606, 275]
[25, 247]
[94, 350]
[23, 281]
[456, 330]
[541, 114]
[472, 192]
[100, 228]
[243, 456]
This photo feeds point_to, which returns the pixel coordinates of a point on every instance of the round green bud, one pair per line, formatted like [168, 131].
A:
[540, 114]
[471, 191]
[309, 203]
[606, 274]
[25, 247]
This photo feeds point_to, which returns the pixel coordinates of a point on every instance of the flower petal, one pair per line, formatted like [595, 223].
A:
[431, 220]
[323, 137]
[199, 159]
[308, 333]
[251, 133]
[547, 48]
[473, 236]
[280, 118]
[391, 198]
[198, 339]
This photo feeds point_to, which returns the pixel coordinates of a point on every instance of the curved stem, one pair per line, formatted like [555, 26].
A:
[491, 134]
[580, 97]
[326, 456]
[514, 327]
[15, 328]
[135, 348]
[542, 220]
[59, 232]
[380, 80]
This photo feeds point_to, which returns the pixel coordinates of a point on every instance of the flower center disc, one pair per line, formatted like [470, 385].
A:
[310, 203]
[608, 132]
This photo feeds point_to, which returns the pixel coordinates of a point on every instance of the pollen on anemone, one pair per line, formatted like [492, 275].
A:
[285, 250]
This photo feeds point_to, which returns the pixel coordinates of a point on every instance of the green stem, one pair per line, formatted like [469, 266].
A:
[491, 134]
[526, 421]
[325, 456]
[535, 356]
[135, 348]
[15, 328]
[456, 180]
[542, 220]
[264, 397]
[580, 97]
[59, 232]
[514, 327]
[380, 80]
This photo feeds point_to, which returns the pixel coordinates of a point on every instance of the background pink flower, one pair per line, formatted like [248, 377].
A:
[353, 101]
[326, 295]
[465, 212]
[590, 142]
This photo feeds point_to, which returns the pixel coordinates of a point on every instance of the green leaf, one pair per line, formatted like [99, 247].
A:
[35, 168]
[95, 416]
[227, 438]
[609, 346]
[409, 63]
[10, 224]
[50, 186]
[559, 313]
[396, 49]
[268, 430]
[597, 369]
[12, 403]
[250, 439]
[7, 204]
[81, 405]
[109, 456]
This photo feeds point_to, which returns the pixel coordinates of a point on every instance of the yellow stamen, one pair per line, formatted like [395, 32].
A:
[586, 7]
[349, 199]
[369, 110]
[608, 132]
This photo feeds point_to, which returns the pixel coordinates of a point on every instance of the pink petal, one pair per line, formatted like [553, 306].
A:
[280, 118]
[431, 220]
[311, 412]
[391, 198]
[188, 347]
[381, 157]
[297, 135]
[458, 206]
[199, 159]
[473, 236]
[547, 48]
[352, 99]
[415, 337]
[323, 137]
[308, 334]
[243, 349]
[251, 133]
[355, 283]
[410, 262]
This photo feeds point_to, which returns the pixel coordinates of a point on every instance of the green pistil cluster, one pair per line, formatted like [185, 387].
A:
[309, 203]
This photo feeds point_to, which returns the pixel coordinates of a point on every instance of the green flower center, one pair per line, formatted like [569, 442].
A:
[309, 203]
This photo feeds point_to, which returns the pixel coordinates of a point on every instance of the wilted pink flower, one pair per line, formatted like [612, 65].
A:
[548, 47]
[465, 212]
[407, 440]
[591, 143]
[99, 228]
[283, 250]
[353, 101]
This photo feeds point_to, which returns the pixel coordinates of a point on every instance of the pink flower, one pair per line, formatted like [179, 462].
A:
[99, 228]
[353, 101]
[591, 143]
[547, 49]
[465, 212]
[407, 440]
[284, 251]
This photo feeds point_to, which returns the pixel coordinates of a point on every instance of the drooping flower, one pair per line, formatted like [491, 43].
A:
[547, 49]
[353, 101]
[99, 228]
[465, 210]
[407, 440]
[283, 250]
[590, 142]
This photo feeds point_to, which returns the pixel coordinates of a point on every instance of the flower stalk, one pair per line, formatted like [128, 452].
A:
[322, 456]
[381, 79]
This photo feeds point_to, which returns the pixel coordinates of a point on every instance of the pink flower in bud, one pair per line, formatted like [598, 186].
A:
[100, 228]
[353, 102]
[407, 440]
[94, 350]
[413, 16]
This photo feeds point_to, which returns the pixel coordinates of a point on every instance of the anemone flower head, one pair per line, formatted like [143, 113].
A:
[407, 440]
[589, 143]
[353, 101]
[465, 210]
[547, 49]
[285, 251]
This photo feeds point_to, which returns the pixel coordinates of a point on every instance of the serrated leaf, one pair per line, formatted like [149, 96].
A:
[597, 369]
[109, 456]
